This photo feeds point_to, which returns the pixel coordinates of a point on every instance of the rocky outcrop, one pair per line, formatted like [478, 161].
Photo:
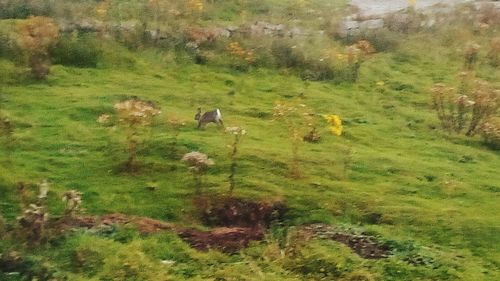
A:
[398, 15]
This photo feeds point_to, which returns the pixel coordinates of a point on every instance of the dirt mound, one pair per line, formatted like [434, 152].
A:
[239, 222]
[364, 245]
[145, 225]
[236, 212]
[226, 239]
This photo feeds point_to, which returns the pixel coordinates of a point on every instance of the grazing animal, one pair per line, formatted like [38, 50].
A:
[208, 117]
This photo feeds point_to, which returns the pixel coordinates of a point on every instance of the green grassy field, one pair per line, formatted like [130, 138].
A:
[435, 195]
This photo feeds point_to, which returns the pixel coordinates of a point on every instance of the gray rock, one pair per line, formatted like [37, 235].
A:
[265, 28]
[371, 24]
[348, 27]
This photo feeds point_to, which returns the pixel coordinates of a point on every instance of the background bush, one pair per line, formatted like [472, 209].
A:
[80, 50]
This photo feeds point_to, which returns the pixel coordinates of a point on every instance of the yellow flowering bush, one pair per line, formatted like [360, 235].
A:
[335, 123]
[235, 49]
[102, 10]
[195, 5]
[345, 62]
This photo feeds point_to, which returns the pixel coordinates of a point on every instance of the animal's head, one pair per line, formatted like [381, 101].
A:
[198, 114]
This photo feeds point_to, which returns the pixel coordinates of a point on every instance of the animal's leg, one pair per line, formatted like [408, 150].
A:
[219, 122]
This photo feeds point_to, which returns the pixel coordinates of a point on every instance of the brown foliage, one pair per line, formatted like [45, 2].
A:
[494, 52]
[35, 36]
[471, 55]
[490, 131]
[32, 223]
[466, 108]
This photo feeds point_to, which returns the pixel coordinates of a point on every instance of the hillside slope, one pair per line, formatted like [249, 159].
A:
[430, 196]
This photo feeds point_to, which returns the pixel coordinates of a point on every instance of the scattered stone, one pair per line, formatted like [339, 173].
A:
[265, 28]
[364, 245]
[168, 262]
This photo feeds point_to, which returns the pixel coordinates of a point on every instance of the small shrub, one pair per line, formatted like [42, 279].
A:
[174, 125]
[134, 115]
[241, 59]
[471, 55]
[32, 223]
[335, 124]
[238, 134]
[343, 65]
[490, 131]
[486, 102]
[198, 164]
[73, 200]
[286, 55]
[466, 108]
[494, 52]
[36, 36]
[297, 118]
[313, 135]
[317, 70]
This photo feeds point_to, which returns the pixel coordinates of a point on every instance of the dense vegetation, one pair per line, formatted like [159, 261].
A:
[389, 136]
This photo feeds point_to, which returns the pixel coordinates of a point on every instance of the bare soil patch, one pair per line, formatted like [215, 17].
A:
[239, 221]
[226, 239]
[236, 221]
[231, 211]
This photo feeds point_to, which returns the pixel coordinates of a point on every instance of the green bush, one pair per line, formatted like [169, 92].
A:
[349, 73]
[20, 9]
[9, 74]
[5, 44]
[286, 54]
[8, 48]
[316, 70]
[77, 50]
